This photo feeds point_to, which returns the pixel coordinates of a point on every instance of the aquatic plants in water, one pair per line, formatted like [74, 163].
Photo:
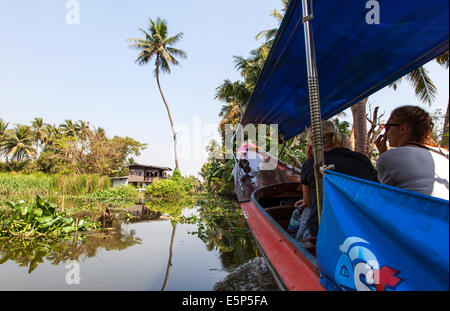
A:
[40, 219]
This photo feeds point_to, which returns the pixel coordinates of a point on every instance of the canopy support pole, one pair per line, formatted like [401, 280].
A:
[314, 101]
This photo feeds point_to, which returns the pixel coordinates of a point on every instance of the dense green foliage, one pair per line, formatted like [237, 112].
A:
[70, 148]
[40, 219]
[174, 188]
[166, 189]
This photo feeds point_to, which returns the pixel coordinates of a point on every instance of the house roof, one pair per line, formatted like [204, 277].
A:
[149, 166]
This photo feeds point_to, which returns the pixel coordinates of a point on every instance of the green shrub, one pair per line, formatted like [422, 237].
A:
[177, 175]
[120, 193]
[167, 189]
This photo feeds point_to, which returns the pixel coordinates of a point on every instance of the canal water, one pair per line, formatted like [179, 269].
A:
[209, 253]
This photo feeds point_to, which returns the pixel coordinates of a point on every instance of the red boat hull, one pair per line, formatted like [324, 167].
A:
[294, 270]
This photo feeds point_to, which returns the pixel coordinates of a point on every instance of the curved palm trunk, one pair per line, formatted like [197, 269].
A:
[169, 264]
[170, 118]
[360, 126]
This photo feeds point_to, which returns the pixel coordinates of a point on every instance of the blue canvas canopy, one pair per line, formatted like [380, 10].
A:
[354, 58]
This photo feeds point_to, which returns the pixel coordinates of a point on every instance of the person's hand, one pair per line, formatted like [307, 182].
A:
[381, 144]
[300, 204]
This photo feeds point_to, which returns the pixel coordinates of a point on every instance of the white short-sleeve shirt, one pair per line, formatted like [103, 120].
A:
[415, 169]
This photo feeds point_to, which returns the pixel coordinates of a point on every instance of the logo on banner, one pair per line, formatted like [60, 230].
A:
[359, 269]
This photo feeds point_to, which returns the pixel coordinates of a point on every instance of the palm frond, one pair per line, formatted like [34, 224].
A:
[277, 15]
[423, 86]
[177, 52]
[443, 59]
[154, 44]
[164, 65]
[174, 39]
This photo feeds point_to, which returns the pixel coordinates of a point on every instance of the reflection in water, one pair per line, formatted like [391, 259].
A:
[227, 234]
[29, 253]
[169, 264]
[211, 241]
[252, 276]
[225, 231]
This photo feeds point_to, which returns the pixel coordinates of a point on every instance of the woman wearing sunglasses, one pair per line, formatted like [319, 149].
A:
[416, 162]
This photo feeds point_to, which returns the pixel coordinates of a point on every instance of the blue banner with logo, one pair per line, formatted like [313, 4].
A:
[377, 237]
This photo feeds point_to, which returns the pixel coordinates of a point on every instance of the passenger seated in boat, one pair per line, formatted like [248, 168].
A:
[337, 152]
[417, 163]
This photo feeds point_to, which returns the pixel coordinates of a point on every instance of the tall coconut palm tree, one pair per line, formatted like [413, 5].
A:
[84, 130]
[233, 93]
[3, 128]
[270, 34]
[69, 128]
[239, 92]
[158, 45]
[52, 132]
[38, 127]
[18, 143]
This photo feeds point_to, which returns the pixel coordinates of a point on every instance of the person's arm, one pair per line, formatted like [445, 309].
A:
[306, 195]
[306, 189]
[306, 201]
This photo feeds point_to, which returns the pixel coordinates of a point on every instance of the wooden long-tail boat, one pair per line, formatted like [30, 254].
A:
[267, 200]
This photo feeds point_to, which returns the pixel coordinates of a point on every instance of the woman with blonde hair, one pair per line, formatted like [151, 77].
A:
[337, 151]
[416, 163]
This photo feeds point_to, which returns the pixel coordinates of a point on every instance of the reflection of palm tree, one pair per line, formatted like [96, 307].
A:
[169, 264]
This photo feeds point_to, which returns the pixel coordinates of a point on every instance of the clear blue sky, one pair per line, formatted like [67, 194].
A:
[57, 71]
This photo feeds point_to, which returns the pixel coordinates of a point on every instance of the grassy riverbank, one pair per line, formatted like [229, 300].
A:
[14, 184]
